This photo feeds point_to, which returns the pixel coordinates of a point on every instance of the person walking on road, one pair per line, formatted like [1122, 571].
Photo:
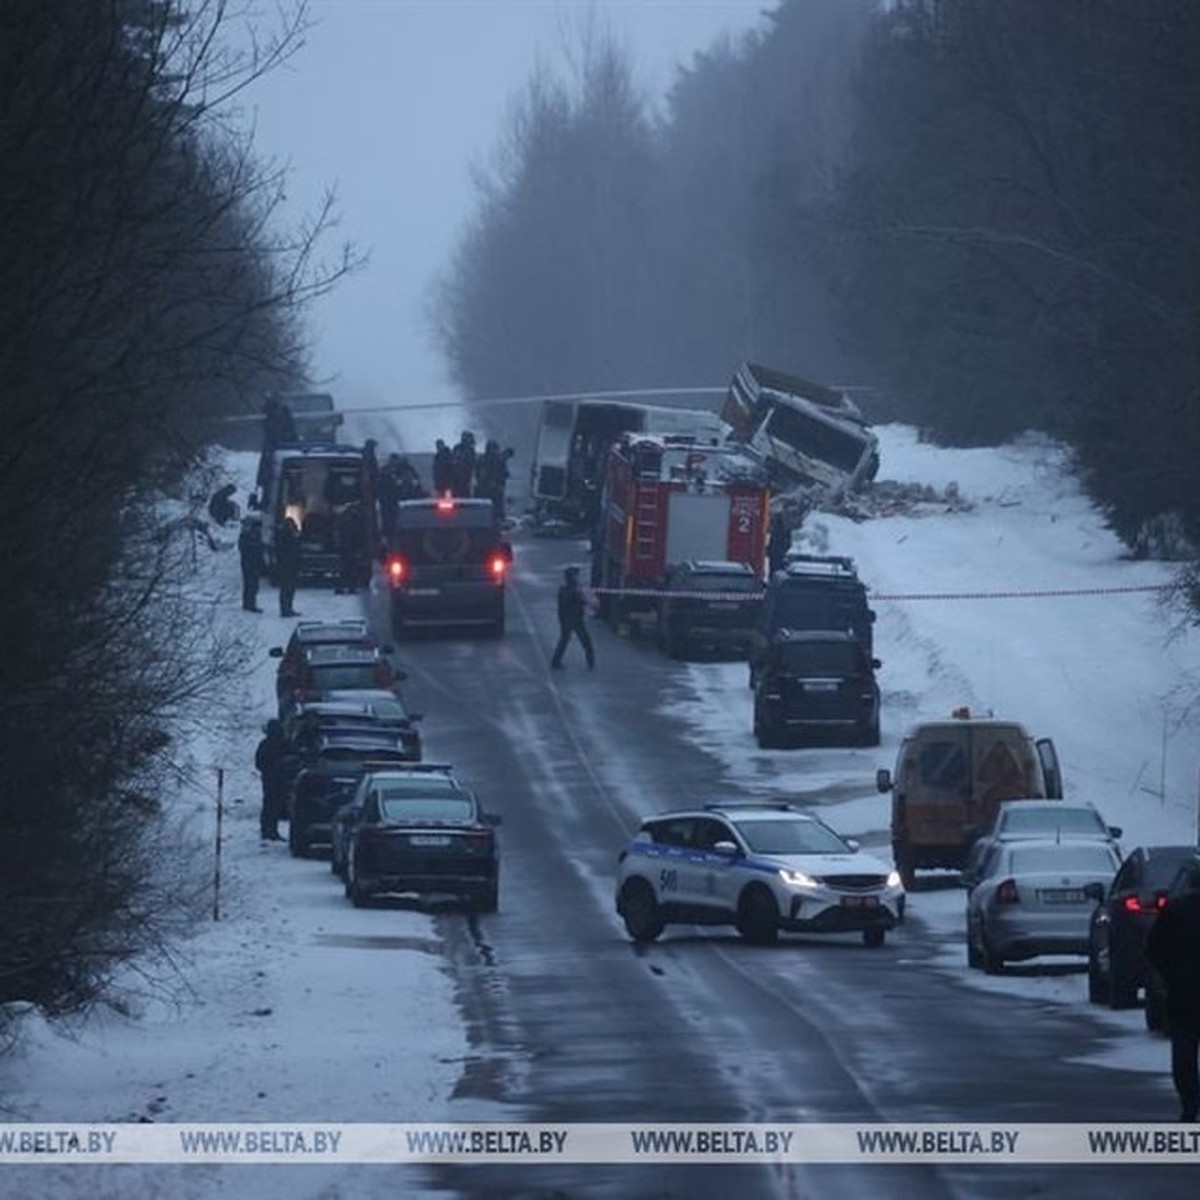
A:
[270, 759]
[250, 552]
[572, 607]
[287, 565]
[1173, 950]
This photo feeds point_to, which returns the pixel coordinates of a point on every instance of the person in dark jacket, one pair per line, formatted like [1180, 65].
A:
[287, 565]
[491, 476]
[352, 550]
[443, 468]
[250, 552]
[463, 461]
[271, 761]
[1173, 950]
[221, 505]
[572, 605]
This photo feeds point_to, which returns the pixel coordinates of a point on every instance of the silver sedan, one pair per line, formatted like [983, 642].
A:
[1035, 897]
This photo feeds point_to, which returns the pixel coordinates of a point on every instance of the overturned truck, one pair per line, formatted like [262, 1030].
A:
[806, 435]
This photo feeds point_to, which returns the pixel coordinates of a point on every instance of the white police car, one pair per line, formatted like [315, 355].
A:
[760, 867]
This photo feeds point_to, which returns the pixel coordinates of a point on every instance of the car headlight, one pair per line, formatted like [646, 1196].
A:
[798, 879]
[893, 879]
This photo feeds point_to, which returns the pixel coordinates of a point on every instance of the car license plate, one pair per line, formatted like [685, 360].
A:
[723, 605]
[1062, 896]
[428, 839]
[424, 591]
[820, 685]
[859, 901]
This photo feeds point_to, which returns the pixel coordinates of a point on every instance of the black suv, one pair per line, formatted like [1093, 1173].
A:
[712, 604]
[816, 684]
[813, 592]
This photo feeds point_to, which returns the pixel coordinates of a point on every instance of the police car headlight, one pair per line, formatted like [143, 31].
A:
[893, 880]
[799, 879]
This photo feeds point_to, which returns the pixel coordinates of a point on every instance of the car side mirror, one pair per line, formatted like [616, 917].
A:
[413, 718]
[1115, 831]
[876, 664]
[387, 649]
[883, 780]
[399, 675]
[276, 652]
[727, 848]
[1095, 892]
[492, 819]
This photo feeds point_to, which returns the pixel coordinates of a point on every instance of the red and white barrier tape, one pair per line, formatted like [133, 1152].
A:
[1015, 594]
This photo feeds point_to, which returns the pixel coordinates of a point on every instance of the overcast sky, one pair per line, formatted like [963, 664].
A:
[390, 102]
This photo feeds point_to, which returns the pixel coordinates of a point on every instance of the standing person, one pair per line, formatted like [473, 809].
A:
[250, 552]
[287, 565]
[463, 465]
[270, 759]
[352, 549]
[409, 485]
[443, 468]
[779, 542]
[1173, 950]
[492, 475]
[387, 494]
[572, 605]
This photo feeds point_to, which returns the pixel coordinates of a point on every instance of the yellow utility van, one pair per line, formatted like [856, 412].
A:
[950, 777]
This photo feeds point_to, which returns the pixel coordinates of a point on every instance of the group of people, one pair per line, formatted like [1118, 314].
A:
[460, 470]
[252, 559]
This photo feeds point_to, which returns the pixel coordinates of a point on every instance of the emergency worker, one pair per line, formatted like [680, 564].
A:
[250, 554]
[287, 565]
[463, 461]
[572, 607]
[1173, 950]
[352, 549]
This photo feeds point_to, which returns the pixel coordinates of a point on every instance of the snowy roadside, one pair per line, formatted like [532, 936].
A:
[292, 1007]
[1111, 676]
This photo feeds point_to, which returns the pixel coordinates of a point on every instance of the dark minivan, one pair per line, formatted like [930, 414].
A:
[447, 565]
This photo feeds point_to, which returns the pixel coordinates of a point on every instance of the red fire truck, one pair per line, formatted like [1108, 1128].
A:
[668, 499]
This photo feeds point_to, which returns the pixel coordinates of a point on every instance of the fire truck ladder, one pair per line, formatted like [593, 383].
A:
[645, 523]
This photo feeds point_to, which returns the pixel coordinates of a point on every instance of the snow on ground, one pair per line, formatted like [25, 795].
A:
[1112, 677]
[245, 1029]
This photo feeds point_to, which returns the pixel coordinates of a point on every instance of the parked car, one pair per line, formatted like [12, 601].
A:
[816, 685]
[1156, 994]
[761, 868]
[324, 669]
[427, 780]
[1122, 918]
[305, 723]
[1035, 818]
[1034, 898]
[411, 837]
[713, 605]
[812, 592]
[350, 632]
[317, 792]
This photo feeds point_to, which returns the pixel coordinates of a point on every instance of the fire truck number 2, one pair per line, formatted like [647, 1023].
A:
[744, 514]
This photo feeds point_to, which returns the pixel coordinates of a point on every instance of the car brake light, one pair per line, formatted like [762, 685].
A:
[445, 504]
[498, 565]
[1006, 893]
[1134, 904]
[397, 569]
